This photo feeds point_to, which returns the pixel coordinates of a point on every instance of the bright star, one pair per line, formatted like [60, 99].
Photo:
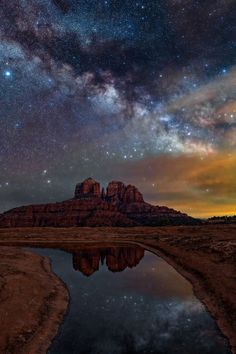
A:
[7, 73]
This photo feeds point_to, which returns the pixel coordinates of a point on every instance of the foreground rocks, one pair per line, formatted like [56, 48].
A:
[32, 302]
[120, 205]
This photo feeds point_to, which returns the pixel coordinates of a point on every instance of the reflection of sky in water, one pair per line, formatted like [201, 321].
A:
[148, 309]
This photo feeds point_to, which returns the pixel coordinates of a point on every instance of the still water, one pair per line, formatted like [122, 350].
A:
[125, 300]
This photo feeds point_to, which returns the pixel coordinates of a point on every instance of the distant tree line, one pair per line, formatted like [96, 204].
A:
[223, 219]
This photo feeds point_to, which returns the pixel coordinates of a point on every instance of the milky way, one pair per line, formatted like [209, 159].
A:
[104, 88]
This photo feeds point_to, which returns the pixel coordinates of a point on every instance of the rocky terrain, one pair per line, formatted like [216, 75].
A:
[120, 205]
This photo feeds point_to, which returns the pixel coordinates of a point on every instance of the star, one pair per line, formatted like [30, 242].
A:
[112, 88]
[7, 73]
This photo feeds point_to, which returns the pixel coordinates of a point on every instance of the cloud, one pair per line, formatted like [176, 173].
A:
[199, 186]
[113, 92]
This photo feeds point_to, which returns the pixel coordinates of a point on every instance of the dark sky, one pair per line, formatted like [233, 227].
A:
[139, 91]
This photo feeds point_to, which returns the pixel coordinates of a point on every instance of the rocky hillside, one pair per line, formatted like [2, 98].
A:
[119, 205]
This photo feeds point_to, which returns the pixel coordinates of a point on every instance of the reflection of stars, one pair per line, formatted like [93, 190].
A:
[129, 314]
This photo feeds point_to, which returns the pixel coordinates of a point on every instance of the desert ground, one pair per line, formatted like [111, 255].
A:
[33, 300]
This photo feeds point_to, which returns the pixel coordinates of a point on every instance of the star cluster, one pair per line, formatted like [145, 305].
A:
[88, 87]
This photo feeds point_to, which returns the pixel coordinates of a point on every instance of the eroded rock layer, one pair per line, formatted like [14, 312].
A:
[120, 205]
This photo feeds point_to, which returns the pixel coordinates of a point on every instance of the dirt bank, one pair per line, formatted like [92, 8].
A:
[32, 302]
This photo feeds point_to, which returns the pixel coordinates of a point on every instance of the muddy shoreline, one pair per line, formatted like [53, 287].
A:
[202, 292]
[33, 301]
[205, 255]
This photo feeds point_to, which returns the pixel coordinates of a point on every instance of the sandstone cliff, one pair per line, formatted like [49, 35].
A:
[121, 205]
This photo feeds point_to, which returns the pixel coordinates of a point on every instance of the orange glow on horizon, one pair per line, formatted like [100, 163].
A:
[199, 186]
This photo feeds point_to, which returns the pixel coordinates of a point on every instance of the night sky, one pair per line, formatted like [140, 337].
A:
[138, 91]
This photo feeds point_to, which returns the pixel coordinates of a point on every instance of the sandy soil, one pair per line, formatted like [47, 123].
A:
[206, 255]
[32, 302]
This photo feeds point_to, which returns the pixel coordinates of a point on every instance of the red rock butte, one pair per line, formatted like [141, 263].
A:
[120, 205]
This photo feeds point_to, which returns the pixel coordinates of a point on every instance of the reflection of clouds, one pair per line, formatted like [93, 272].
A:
[167, 322]
[107, 316]
[173, 285]
[166, 328]
[194, 307]
[178, 327]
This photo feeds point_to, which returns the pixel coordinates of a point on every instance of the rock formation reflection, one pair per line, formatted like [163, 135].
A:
[117, 259]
